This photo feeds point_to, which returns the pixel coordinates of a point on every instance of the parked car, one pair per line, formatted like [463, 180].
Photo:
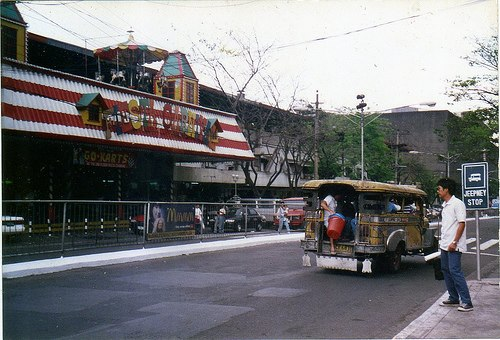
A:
[296, 213]
[235, 219]
[12, 226]
[136, 224]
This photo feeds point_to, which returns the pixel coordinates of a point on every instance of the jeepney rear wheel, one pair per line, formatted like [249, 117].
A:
[394, 259]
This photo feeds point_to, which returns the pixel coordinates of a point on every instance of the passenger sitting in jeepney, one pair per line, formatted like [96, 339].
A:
[347, 209]
[392, 207]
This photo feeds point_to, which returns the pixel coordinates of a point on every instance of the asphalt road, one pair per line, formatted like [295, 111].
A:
[489, 259]
[255, 292]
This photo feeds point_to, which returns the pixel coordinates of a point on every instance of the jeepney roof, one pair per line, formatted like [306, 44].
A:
[364, 186]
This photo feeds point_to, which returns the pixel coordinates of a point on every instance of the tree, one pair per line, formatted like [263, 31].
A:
[239, 65]
[416, 173]
[473, 136]
[340, 148]
[482, 88]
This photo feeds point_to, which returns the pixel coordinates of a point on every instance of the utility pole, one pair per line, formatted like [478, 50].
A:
[316, 132]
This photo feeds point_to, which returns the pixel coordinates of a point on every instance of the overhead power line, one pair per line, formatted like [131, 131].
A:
[54, 23]
[375, 26]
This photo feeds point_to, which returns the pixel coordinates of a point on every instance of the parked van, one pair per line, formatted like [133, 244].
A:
[381, 235]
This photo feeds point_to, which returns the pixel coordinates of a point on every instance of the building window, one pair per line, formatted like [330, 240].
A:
[9, 42]
[94, 113]
[189, 93]
[169, 90]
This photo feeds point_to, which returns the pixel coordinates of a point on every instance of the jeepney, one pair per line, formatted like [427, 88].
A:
[380, 237]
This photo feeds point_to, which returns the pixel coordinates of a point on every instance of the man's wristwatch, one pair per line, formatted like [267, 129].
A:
[454, 242]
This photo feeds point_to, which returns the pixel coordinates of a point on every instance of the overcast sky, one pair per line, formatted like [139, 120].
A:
[396, 52]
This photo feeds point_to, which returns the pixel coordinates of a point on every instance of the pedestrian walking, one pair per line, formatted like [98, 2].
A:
[219, 221]
[453, 244]
[198, 218]
[283, 218]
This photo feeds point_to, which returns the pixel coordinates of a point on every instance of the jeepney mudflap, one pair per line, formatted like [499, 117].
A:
[343, 263]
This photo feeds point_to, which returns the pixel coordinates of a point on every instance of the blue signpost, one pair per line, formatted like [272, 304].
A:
[475, 196]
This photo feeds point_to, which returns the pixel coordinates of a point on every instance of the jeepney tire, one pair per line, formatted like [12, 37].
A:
[394, 259]
[379, 264]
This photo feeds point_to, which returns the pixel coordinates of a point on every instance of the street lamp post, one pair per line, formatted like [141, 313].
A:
[361, 106]
[447, 157]
[316, 131]
[235, 180]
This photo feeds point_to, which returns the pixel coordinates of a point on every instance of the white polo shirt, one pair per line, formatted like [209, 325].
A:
[453, 212]
[332, 204]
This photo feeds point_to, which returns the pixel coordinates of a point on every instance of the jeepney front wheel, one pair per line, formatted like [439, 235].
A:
[394, 259]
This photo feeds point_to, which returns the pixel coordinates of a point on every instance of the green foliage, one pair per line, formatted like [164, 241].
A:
[416, 173]
[340, 148]
[473, 137]
[484, 87]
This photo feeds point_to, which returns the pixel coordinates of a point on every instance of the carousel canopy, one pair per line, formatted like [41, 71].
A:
[131, 52]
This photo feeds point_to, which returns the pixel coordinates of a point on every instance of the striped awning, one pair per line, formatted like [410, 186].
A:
[43, 102]
[131, 52]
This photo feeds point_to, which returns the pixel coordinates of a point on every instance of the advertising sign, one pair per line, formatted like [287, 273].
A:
[475, 185]
[103, 158]
[167, 220]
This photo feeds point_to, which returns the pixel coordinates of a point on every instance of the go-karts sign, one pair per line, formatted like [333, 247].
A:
[475, 185]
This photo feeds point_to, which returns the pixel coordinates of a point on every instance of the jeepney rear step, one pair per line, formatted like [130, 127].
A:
[341, 248]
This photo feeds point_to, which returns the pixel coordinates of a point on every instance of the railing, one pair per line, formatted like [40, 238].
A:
[42, 226]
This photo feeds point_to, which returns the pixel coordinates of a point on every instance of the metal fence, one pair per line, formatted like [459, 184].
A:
[42, 226]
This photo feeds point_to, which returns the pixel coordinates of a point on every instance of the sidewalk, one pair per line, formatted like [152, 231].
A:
[447, 322]
[435, 323]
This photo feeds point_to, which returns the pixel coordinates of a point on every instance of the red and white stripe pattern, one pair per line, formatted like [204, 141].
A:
[39, 101]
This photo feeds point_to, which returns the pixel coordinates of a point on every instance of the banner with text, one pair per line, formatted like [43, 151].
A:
[168, 220]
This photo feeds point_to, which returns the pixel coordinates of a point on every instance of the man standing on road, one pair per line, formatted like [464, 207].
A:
[453, 244]
[283, 218]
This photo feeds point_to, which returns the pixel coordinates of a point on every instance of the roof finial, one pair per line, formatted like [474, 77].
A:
[130, 36]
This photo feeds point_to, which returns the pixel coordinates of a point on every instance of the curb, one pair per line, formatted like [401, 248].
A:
[23, 269]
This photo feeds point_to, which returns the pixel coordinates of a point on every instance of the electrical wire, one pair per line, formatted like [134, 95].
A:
[375, 26]
[78, 11]
[54, 23]
[226, 5]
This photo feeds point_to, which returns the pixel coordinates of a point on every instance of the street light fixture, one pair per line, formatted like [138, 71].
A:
[446, 157]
